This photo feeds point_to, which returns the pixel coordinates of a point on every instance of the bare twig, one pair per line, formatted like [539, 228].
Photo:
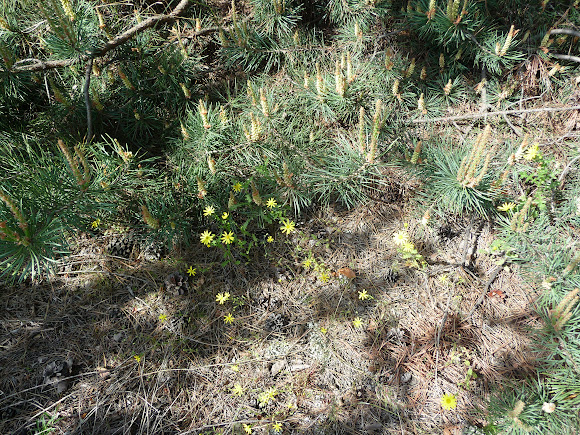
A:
[39, 65]
[438, 338]
[564, 32]
[31, 420]
[144, 25]
[562, 176]
[88, 70]
[515, 129]
[566, 57]
[487, 285]
[502, 112]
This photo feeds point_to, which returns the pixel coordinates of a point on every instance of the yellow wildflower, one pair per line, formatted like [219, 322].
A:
[227, 238]
[323, 330]
[532, 152]
[137, 358]
[408, 247]
[191, 271]
[277, 427]
[270, 239]
[357, 322]
[237, 187]
[96, 223]
[206, 238]
[271, 203]
[221, 298]
[162, 317]
[363, 295]
[307, 263]
[235, 368]
[237, 390]
[209, 210]
[324, 276]
[247, 428]
[448, 401]
[265, 397]
[229, 318]
[287, 226]
[225, 215]
[507, 206]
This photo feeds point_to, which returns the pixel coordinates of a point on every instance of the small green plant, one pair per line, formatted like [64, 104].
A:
[45, 424]
[318, 266]
[408, 251]
[501, 252]
[540, 176]
[227, 233]
[470, 375]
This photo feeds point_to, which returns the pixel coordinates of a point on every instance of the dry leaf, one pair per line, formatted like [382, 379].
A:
[345, 271]
[497, 294]
[103, 372]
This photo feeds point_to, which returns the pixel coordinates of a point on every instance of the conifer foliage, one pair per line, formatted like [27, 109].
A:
[303, 98]
[145, 114]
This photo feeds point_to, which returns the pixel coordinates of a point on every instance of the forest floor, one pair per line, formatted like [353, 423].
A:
[120, 345]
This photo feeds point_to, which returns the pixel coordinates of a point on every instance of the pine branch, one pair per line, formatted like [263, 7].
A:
[144, 25]
[503, 112]
[31, 65]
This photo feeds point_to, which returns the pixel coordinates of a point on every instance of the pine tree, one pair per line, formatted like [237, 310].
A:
[117, 109]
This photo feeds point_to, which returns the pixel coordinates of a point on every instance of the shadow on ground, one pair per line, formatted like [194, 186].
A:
[122, 346]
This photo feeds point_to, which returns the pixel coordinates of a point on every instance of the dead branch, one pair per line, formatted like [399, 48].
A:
[562, 177]
[143, 25]
[565, 32]
[88, 70]
[566, 57]
[30, 65]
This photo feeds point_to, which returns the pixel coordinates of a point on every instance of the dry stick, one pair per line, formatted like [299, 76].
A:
[562, 177]
[95, 372]
[88, 70]
[466, 239]
[31, 420]
[503, 112]
[566, 57]
[489, 282]
[438, 338]
[565, 32]
[39, 65]
[513, 127]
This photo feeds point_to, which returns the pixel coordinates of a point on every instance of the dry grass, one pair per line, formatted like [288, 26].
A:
[293, 335]
[151, 358]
